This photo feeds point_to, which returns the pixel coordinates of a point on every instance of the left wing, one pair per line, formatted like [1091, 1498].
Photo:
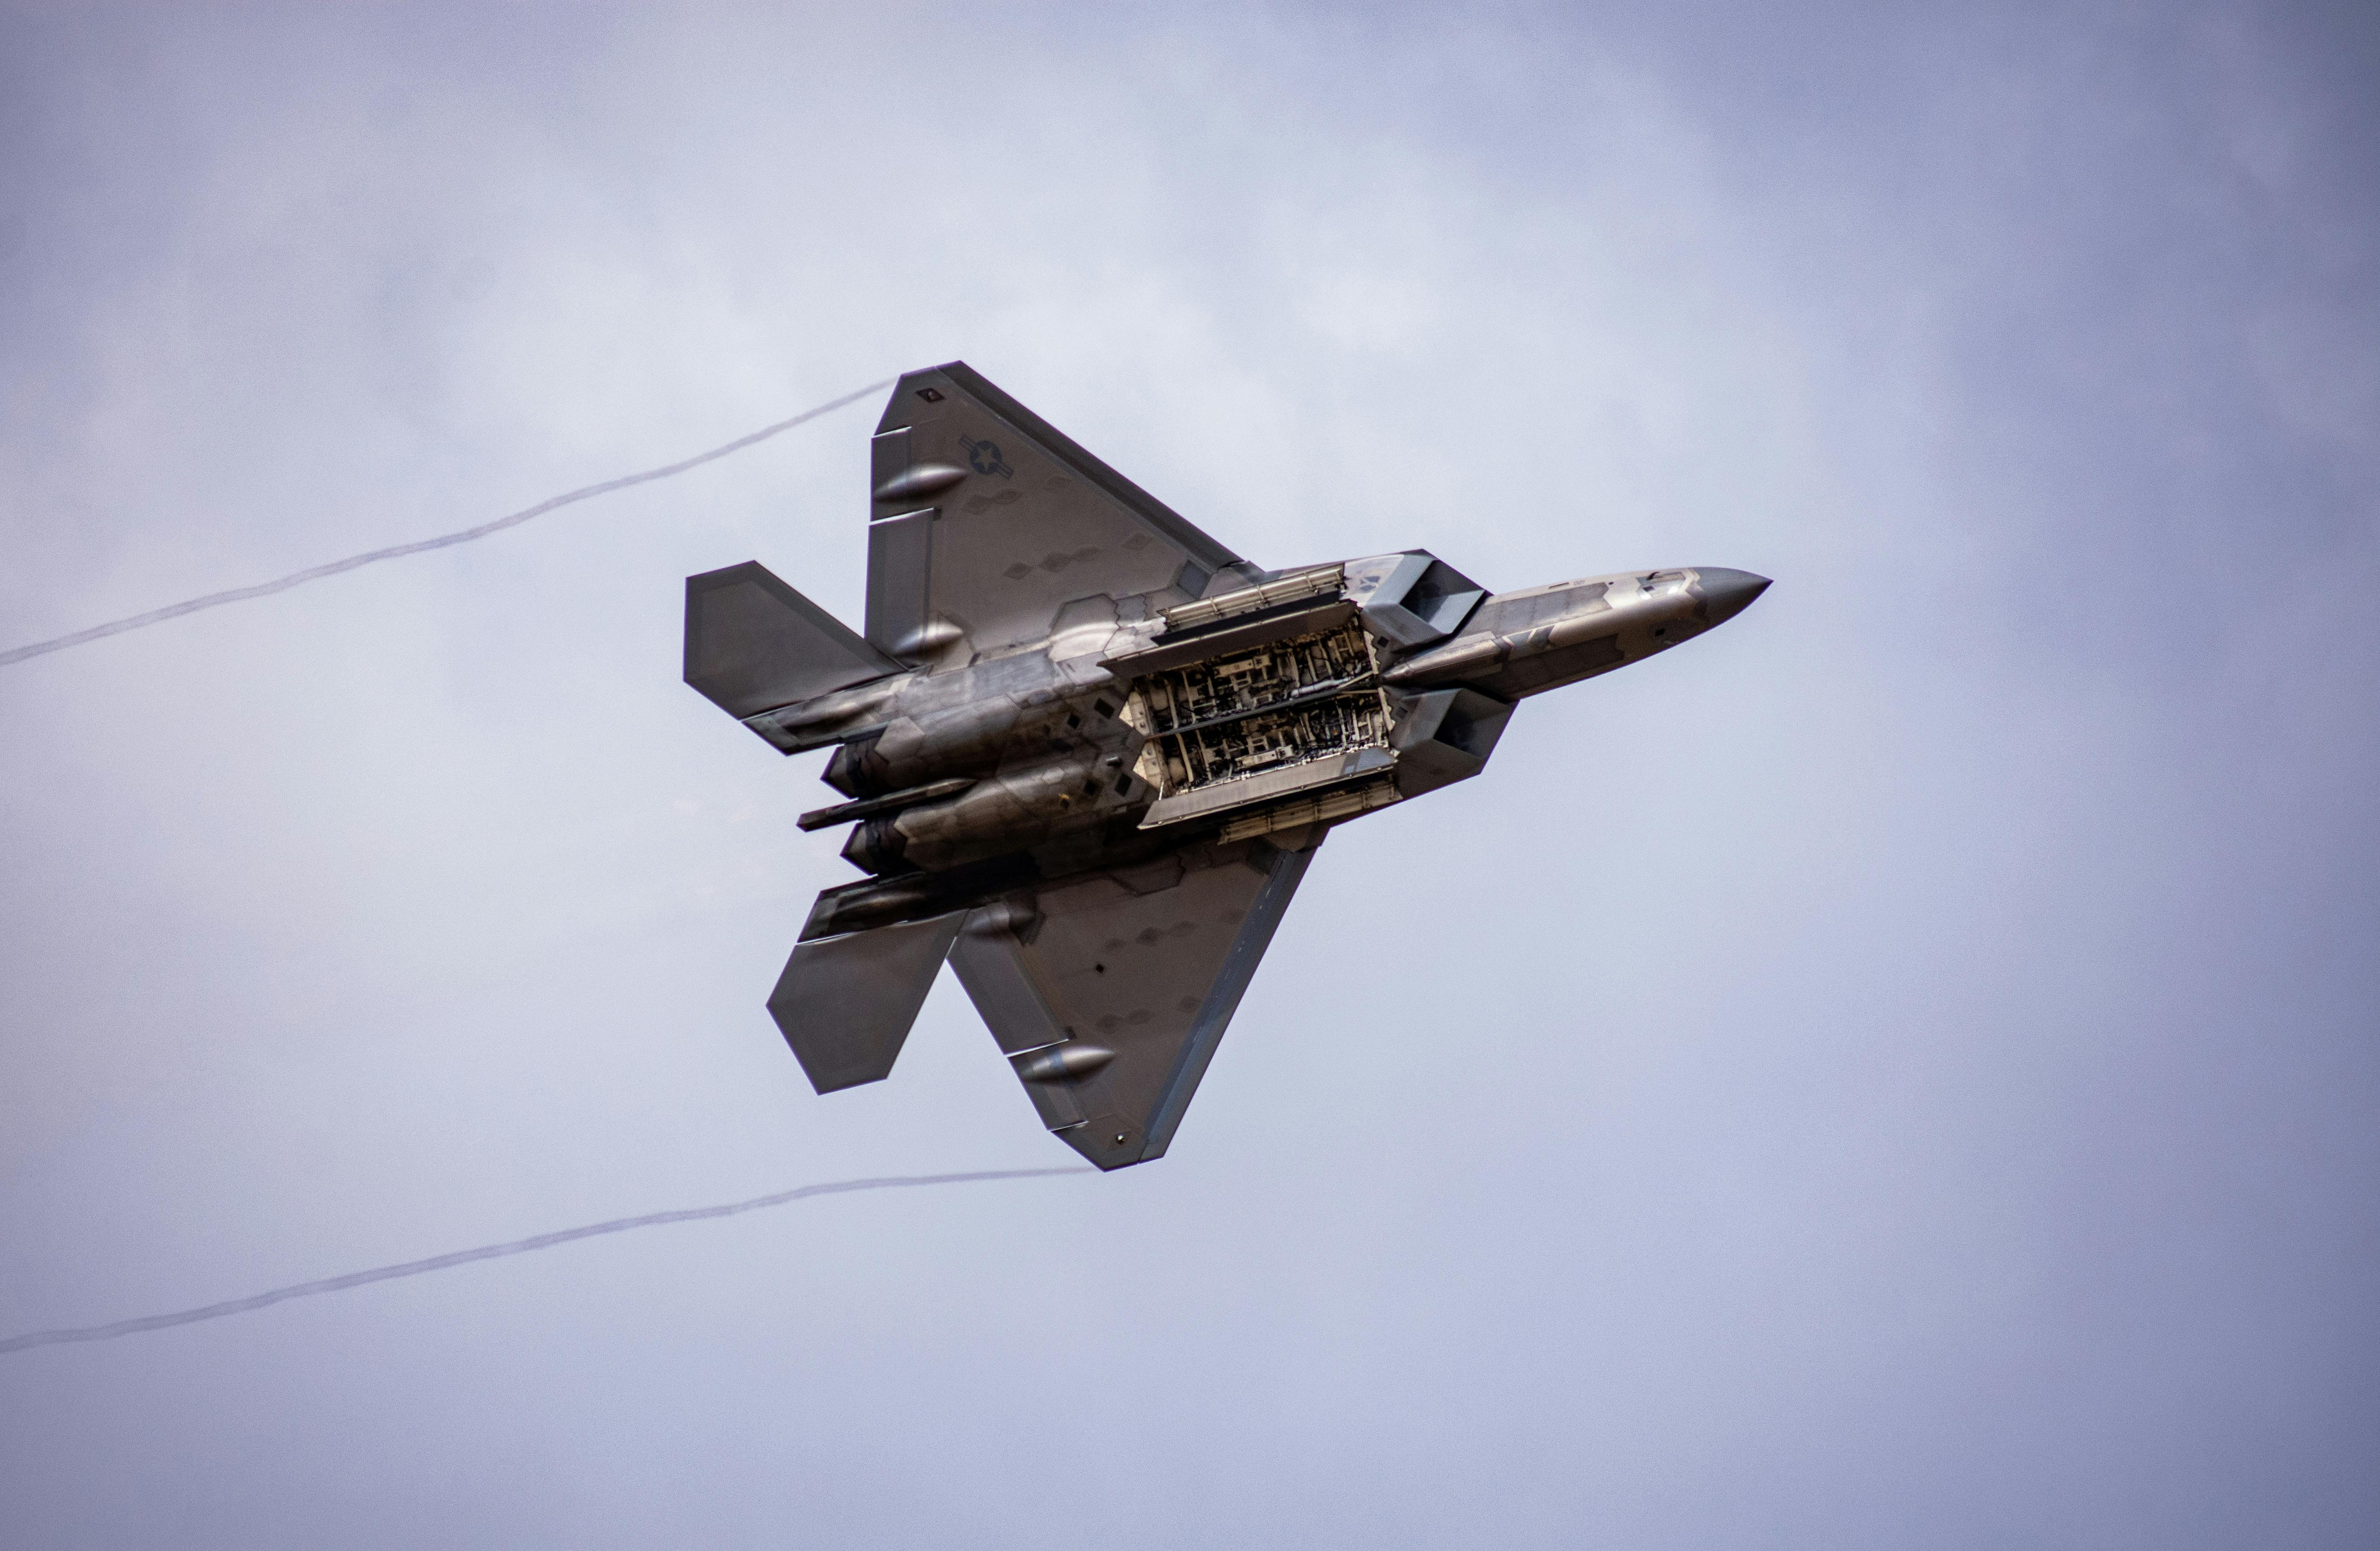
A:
[987, 521]
[1109, 994]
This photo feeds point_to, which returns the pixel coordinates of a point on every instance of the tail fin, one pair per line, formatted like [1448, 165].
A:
[753, 644]
[846, 1003]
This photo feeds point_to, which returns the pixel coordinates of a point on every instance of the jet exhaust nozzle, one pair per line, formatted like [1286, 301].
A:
[876, 846]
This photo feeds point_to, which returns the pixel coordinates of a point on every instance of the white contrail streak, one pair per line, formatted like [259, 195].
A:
[494, 1252]
[395, 552]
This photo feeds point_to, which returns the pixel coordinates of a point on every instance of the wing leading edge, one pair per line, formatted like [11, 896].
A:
[986, 522]
[1109, 994]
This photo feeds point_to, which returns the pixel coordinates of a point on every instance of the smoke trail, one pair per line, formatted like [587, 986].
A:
[518, 1246]
[240, 595]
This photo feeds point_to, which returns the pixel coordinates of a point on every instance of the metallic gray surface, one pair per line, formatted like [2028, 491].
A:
[1089, 752]
[752, 642]
[1065, 1062]
[844, 1004]
[1174, 648]
[900, 557]
[1727, 593]
[1283, 871]
[1147, 962]
[868, 807]
[1036, 523]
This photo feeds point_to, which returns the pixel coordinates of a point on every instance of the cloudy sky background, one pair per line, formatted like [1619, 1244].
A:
[1900, 1071]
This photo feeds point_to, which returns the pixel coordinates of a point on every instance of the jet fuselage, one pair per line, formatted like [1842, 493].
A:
[1042, 757]
[1088, 751]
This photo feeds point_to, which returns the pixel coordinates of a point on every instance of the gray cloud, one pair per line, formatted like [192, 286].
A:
[1897, 1070]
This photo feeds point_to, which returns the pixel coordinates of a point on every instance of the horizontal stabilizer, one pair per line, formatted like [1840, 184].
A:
[753, 644]
[846, 1003]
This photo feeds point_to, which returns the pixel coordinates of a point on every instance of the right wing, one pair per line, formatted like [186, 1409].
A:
[1109, 994]
[988, 521]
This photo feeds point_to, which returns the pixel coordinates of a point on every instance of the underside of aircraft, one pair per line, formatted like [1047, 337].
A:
[1088, 752]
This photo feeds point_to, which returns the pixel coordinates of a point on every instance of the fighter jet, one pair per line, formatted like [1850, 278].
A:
[1088, 751]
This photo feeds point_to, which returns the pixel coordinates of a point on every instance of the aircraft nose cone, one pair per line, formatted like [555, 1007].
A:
[1729, 593]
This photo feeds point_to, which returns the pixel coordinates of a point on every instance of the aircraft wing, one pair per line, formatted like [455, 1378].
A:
[987, 521]
[1109, 994]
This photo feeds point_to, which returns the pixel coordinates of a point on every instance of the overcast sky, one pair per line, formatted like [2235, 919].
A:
[1899, 1071]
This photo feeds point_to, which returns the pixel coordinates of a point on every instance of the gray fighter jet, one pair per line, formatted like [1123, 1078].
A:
[1089, 751]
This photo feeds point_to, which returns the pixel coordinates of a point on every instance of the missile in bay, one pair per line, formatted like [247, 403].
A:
[1088, 751]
